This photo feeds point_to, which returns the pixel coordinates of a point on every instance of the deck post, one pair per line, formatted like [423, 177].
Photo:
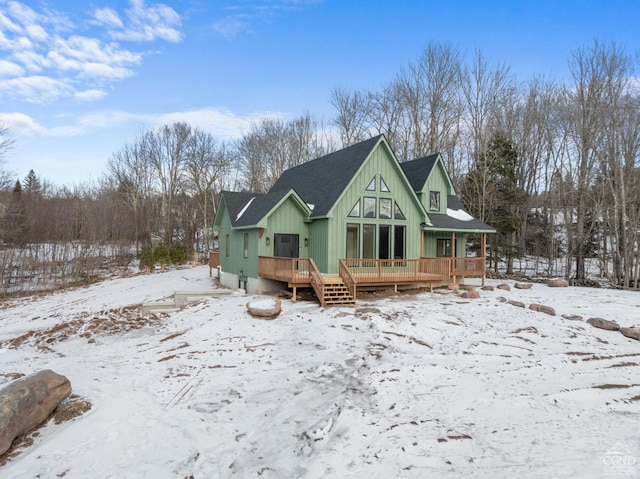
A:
[484, 257]
[453, 256]
[295, 289]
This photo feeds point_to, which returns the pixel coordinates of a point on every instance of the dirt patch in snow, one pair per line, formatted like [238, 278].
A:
[86, 325]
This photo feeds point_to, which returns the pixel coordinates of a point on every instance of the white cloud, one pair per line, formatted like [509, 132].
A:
[143, 23]
[90, 95]
[108, 17]
[21, 124]
[220, 122]
[36, 88]
[230, 27]
[10, 69]
[41, 44]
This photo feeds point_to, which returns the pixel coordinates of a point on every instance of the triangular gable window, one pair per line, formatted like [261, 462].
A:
[355, 211]
[397, 212]
[383, 186]
[372, 185]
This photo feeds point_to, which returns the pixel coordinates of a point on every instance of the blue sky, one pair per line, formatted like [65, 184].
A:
[78, 80]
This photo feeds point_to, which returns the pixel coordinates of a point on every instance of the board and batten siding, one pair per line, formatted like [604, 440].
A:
[318, 240]
[439, 182]
[431, 238]
[235, 261]
[288, 218]
[379, 165]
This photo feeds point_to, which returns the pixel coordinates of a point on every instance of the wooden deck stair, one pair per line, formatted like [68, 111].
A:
[335, 292]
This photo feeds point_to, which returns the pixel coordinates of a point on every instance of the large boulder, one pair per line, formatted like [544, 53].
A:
[605, 324]
[470, 295]
[265, 308]
[504, 287]
[558, 283]
[522, 285]
[27, 402]
[633, 333]
[542, 308]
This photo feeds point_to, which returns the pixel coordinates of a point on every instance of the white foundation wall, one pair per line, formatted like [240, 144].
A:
[253, 286]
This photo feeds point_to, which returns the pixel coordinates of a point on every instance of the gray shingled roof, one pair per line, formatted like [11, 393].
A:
[235, 202]
[321, 181]
[417, 171]
[259, 207]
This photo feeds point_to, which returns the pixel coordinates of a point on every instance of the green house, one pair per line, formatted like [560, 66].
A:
[352, 219]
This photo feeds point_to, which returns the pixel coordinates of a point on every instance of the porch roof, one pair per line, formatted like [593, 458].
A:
[457, 220]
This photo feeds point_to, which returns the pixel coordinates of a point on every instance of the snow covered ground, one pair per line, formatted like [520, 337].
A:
[405, 386]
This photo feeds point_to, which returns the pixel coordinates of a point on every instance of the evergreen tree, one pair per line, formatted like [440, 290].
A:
[15, 220]
[491, 192]
[146, 257]
[162, 256]
[178, 253]
[31, 183]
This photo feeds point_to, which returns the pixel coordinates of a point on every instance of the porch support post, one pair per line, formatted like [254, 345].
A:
[484, 258]
[295, 288]
[453, 255]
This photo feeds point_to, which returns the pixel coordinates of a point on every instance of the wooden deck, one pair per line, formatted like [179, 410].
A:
[354, 273]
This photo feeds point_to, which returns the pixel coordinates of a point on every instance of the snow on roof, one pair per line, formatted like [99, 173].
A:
[461, 215]
[245, 208]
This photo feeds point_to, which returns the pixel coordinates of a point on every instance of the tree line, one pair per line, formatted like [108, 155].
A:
[553, 166]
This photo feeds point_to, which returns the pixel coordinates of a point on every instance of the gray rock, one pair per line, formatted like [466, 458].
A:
[522, 285]
[264, 309]
[27, 402]
[605, 324]
[542, 308]
[487, 288]
[558, 283]
[470, 295]
[504, 287]
[633, 333]
[519, 304]
[572, 317]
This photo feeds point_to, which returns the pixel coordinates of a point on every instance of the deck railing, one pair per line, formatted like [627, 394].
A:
[290, 270]
[354, 271]
[317, 281]
[398, 271]
[469, 266]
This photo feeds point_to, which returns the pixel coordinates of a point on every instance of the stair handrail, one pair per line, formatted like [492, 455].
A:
[317, 281]
[347, 277]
